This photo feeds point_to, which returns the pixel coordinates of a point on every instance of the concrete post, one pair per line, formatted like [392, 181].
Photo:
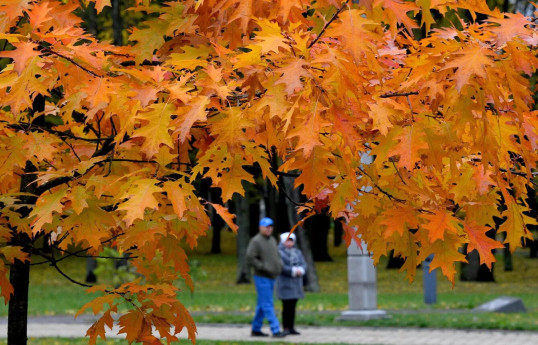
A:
[362, 289]
[429, 282]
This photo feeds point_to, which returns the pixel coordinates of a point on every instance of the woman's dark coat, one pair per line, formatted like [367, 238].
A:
[288, 287]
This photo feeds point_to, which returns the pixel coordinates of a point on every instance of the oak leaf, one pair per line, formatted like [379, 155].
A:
[226, 216]
[139, 197]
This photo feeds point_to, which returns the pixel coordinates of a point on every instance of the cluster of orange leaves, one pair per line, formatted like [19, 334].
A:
[208, 87]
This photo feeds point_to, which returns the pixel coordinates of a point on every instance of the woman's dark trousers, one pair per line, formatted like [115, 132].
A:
[288, 313]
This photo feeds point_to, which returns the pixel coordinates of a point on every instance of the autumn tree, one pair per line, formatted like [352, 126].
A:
[102, 145]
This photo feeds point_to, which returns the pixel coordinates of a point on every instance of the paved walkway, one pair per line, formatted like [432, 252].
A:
[67, 327]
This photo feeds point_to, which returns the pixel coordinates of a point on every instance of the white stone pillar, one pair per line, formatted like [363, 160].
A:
[362, 289]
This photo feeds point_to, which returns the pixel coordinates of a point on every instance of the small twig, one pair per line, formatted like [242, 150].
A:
[398, 171]
[114, 131]
[49, 163]
[396, 94]
[72, 61]
[327, 24]
[72, 148]
[98, 131]
[410, 107]
[390, 196]
[289, 43]
[283, 190]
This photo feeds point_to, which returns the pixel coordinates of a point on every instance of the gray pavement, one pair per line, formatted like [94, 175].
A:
[67, 327]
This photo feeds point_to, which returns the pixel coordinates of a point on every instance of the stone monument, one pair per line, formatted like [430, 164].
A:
[503, 304]
[362, 290]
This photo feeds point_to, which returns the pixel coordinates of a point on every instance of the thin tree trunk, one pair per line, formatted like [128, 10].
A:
[508, 266]
[533, 248]
[311, 279]
[242, 210]
[318, 232]
[91, 19]
[394, 262]
[338, 233]
[216, 222]
[117, 23]
[473, 271]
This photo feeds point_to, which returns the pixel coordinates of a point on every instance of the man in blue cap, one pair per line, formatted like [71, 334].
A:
[262, 255]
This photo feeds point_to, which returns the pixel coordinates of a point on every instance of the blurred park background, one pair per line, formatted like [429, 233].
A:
[217, 297]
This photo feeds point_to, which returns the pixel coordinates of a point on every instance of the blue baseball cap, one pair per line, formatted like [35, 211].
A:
[266, 221]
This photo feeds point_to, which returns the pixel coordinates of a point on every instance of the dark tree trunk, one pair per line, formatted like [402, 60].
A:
[532, 201]
[508, 267]
[311, 278]
[117, 22]
[19, 277]
[215, 238]
[338, 233]
[91, 265]
[253, 215]
[19, 272]
[216, 222]
[318, 233]
[394, 262]
[242, 210]
[90, 18]
[473, 271]
[282, 220]
[533, 245]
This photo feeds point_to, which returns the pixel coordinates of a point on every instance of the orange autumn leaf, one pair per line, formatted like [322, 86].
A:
[481, 242]
[226, 216]
[439, 223]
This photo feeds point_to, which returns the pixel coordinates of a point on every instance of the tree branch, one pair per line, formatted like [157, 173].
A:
[327, 24]
[387, 194]
[21, 125]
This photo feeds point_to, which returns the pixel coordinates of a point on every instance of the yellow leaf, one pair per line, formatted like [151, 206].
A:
[231, 181]
[46, 205]
[195, 112]
[140, 196]
[154, 128]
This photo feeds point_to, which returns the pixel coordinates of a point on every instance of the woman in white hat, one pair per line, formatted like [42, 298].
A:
[289, 284]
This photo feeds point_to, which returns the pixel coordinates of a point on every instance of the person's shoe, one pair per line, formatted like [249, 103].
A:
[293, 332]
[279, 335]
[258, 334]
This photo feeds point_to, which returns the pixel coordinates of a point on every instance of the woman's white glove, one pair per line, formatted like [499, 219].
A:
[297, 271]
[301, 271]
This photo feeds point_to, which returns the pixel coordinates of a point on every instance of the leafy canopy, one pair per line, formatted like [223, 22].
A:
[222, 89]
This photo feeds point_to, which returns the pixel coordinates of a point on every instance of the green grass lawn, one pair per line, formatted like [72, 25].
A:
[218, 299]
[64, 341]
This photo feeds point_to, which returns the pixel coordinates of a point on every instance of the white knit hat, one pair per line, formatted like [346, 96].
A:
[285, 235]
